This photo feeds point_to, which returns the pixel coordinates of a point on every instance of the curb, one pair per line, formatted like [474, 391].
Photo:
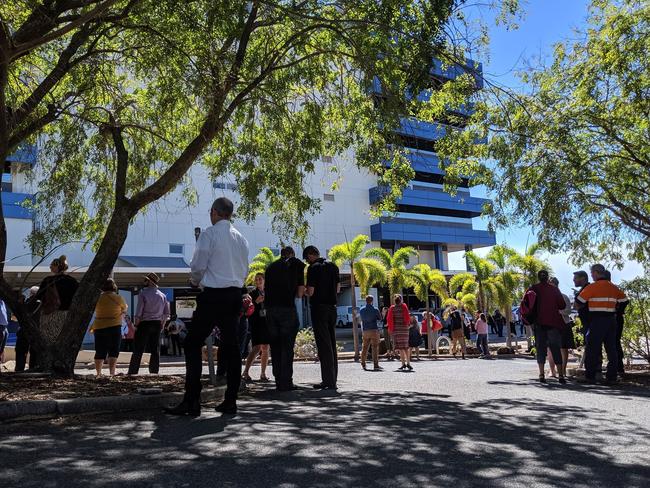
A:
[13, 410]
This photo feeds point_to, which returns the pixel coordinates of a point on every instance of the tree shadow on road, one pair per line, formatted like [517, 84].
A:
[348, 439]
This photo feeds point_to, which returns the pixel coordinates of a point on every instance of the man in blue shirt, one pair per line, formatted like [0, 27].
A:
[370, 317]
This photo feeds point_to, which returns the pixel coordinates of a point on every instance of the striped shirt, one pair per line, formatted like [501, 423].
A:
[602, 296]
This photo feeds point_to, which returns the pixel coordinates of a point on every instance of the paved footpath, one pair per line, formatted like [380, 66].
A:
[449, 423]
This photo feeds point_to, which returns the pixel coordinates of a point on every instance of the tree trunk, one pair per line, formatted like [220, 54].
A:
[508, 312]
[57, 354]
[355, 321]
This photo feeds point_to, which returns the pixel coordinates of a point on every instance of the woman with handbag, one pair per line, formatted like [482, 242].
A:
[259, 332]
[107, 327]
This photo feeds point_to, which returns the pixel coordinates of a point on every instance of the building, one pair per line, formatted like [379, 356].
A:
[162, 240]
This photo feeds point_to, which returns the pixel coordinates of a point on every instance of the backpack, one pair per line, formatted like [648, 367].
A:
[528, 307]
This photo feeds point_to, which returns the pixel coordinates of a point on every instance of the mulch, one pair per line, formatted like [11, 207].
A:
[24, 387]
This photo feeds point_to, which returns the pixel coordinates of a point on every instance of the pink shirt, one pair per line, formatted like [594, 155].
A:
[481, 326]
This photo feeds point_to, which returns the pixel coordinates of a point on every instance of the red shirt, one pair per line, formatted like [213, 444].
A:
[435, 325]
[549, 302]
[392, 310]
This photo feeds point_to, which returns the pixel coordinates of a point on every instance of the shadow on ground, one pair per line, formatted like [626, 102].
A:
[318, 439]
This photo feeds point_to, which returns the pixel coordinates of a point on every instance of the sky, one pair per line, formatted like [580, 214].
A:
[545, 23]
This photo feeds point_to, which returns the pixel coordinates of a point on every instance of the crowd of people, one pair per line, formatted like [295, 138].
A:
[267, 318]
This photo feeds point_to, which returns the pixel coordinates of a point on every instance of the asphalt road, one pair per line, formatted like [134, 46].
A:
[449, 423]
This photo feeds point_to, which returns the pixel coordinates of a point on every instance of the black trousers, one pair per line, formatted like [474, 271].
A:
[214, 307]
[324, 322]
[22, 348]
[147, 336]
[282, 325]
[175, 341]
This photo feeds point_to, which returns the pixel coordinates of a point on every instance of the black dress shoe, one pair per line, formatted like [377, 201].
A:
[227, 407]
[191, 409]
[319, 386]
[287, 388]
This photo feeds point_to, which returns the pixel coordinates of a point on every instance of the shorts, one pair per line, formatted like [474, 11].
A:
[457, 334]
[107, 342]
[567, 337]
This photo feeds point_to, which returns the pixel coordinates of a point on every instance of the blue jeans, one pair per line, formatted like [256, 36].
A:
[602, 330]
[482, 344]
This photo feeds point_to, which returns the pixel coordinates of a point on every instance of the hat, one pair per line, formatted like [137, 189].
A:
[153, 277]
[581, 273]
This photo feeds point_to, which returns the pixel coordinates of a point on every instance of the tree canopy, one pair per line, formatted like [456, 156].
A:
[570, 155]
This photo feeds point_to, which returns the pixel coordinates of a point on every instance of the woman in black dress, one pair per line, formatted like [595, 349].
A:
[259, 333]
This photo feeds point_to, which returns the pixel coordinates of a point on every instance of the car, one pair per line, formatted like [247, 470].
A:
[344, 316]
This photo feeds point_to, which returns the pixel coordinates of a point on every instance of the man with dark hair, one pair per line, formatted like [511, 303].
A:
[602, 299]
[284, 280]
[219, 266]
[370, 318]
[548, 323]
[323, 285]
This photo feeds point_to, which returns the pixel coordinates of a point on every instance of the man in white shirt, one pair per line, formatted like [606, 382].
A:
[219, 267]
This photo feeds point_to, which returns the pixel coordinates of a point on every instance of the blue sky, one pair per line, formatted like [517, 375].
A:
[545, 23]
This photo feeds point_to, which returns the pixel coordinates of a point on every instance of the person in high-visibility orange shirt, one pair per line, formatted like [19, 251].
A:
[602, 298]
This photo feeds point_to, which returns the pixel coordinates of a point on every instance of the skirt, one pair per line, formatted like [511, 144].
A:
[259, 331]
[401, 336]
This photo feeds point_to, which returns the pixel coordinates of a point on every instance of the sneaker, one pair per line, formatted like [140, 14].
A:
[562, 380]
[409, 367]
[378, 368]
[363, 366]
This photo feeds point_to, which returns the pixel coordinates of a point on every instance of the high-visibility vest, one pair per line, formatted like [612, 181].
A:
[602, 296]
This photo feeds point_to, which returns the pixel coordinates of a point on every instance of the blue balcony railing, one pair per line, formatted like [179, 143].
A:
[13, 205]
[462, 203]
[26, 153]
[421, 233]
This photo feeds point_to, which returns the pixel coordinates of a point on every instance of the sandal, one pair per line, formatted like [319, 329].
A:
[542, 379]
[264, 379]
[246, 377]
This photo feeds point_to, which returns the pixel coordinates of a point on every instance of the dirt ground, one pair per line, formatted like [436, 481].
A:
[23, 387]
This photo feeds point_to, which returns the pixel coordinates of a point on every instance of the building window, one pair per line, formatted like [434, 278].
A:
[176, 249]
[223, 185]
[328, 197]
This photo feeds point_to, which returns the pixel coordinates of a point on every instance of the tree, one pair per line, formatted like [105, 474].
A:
[260, 262]
[130, 94]
[463, 288]
[529, 264]
[424, 279]
[369, 272]
[570, 155]
[636, 333]
[505, 282]
[395, 266]
[349, 252]
[483, 269]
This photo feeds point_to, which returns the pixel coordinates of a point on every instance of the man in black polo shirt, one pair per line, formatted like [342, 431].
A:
[323, 284]
[284, 280]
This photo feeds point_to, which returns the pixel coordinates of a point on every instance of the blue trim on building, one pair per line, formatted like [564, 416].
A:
[417, 233]
[12, 205]
[438, 257]
[434, 200]
[25, 154]
[452, 72]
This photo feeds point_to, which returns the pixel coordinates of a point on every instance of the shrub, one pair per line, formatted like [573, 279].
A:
[636, 332]
[305, 347]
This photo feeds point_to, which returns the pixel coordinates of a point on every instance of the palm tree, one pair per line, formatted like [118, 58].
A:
[369, 272]
[462, 292]
[530, 264]
[349, 252]
[424, 279]
[506, 282]
[483, 269]
[259, 263]
[395, 266]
